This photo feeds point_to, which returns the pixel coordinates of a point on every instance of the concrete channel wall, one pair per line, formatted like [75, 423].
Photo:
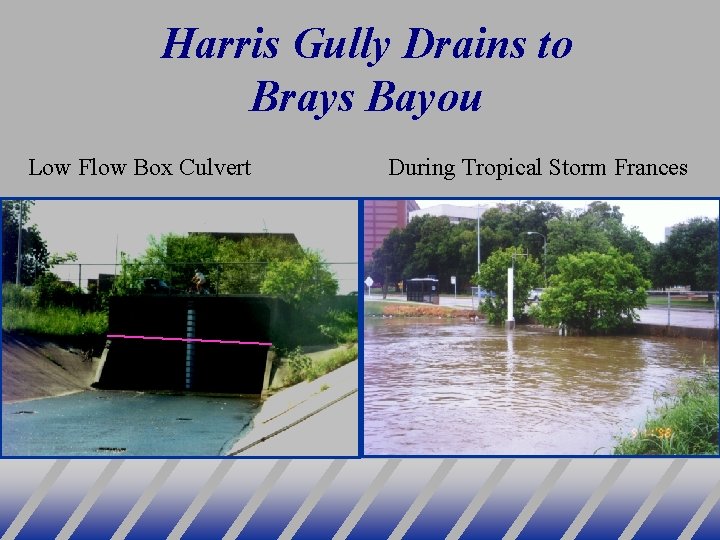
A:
[210, 343]
[707, 334]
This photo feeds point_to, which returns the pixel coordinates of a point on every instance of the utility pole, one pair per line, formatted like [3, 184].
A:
[530, 233]
[18, 265]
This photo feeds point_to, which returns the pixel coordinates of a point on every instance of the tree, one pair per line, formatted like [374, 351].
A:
[436, 250]
[507, 224]
[688, 256]
[494, 277]
[594, 292]
[389, 260]
[176, 258]
[34, 260]
[572, 234]
[597, 228]
[429, 245]
[242, 265]
[172, 258]
[231, 267]
[305, 279]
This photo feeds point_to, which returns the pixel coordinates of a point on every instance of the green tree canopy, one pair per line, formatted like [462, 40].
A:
[599, 228]
[172, 258]
[303, 279]
[244, 263]
[594, 292]
[507, 225]
[493, 277]
[689, 256]
[231, 267]
[429, 245]
[34, 260]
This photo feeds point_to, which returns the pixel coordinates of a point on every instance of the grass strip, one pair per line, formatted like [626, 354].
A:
[302, 368]
[53, 321]
[685, 424]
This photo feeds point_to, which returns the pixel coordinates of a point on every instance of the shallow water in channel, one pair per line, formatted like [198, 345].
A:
[121, 423]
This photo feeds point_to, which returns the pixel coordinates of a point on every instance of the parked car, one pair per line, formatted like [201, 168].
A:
[535, 294]
[482, 293]
[156, 286]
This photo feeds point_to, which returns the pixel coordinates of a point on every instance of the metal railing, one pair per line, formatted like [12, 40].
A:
[679, 304]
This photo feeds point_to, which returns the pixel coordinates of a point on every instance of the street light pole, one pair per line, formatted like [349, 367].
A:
[529, 233]
[18, 264]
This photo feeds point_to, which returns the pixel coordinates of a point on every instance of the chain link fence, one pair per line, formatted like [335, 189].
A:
[678, 306]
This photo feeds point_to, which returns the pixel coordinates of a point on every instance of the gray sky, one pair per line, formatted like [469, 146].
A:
[93, 228]
[650, 216]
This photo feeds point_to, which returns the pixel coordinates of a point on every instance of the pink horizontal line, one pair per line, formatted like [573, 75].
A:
[190, 340]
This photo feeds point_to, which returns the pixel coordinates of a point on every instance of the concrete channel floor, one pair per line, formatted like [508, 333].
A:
[317, 418]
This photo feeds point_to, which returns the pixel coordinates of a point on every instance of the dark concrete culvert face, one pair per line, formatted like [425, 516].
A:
[24, 412]
[184, 419]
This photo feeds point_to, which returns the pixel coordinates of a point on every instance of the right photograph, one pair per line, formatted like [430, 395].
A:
[540, 327]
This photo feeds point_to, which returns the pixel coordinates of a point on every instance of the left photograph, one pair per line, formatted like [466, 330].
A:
[179, 328]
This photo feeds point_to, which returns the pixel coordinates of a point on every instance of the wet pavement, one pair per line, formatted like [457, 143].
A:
[317, 418]
[690, 318]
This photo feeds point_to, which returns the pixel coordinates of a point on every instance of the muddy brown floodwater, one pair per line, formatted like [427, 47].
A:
[437, 387]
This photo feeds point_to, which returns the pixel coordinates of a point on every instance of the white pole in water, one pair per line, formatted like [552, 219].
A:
[510, 323]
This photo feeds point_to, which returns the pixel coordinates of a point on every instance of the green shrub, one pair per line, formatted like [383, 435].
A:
[298, 364]
[493, 276]
[17, 296]
[302, 368]
[534, 311]
[340, 326]
[335, 361]
[50, 291]
[54, 321]
[594, 292]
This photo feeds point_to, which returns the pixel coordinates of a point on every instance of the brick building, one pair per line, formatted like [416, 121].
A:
[380, 217]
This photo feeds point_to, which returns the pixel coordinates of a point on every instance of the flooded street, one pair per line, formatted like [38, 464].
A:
[102, 423]
[446, 387]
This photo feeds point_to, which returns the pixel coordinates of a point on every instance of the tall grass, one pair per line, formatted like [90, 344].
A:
[685, 425]
[302, 367]
[334, 361]
[54, 321]
[17, 296]
[21, 313]
[340, 326]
